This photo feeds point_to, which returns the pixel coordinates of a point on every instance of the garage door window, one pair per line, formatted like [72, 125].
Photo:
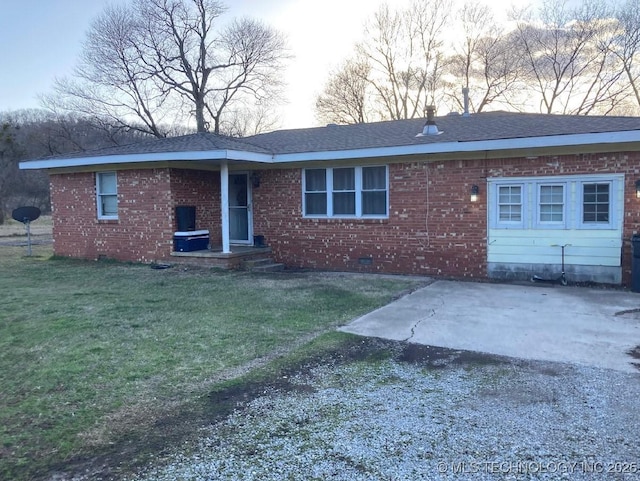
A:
[510, 203]
[551, 204]
[596, 205]
[588, 202]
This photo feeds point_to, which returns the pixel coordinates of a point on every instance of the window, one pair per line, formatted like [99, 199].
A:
[551, 203]
[345, 192]
[596, 203]
[572, 202]
[374, 191]
[315, 192]
[510, 203]
[107, 195]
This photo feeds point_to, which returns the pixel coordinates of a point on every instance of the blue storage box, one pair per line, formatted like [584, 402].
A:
[188, 241]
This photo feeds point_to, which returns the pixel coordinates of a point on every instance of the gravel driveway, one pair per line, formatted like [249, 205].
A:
[406, 412]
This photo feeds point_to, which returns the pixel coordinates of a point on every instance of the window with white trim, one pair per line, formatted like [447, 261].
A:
[510, 203]
[107, 195]
[346, 192]
[585, 202]
[374, 190]
[315, 195]
[596, 203]
[551, 204]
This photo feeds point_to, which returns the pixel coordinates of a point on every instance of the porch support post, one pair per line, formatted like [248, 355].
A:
[224, 206]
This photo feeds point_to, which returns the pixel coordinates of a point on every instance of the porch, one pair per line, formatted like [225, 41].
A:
[240, 257]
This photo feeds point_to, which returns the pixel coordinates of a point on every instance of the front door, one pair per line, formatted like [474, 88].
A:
[240, 222]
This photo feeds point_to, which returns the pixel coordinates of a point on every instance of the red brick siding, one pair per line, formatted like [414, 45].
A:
[146, 213]
[443, 236]
[432, 229]
[201, 189]
[141, 233]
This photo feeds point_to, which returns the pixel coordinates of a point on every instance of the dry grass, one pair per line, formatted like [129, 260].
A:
[92, 353]
[40, 227]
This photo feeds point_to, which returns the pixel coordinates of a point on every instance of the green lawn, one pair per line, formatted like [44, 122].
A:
[90, 351]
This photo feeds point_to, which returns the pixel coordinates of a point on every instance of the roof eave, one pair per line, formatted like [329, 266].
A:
[515, 144]
[205, 155]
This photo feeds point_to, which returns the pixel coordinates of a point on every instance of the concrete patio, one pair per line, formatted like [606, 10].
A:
[595, 327]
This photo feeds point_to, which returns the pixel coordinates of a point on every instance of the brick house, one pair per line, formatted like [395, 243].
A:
[489, 195]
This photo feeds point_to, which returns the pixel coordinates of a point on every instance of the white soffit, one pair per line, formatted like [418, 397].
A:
[148, 157]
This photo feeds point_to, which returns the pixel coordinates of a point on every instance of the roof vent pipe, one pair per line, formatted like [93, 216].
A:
[465, 95]
[430, 127]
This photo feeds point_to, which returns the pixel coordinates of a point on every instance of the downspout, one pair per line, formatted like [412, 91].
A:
[224, 206]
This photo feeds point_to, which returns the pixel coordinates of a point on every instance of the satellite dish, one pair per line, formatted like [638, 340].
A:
[25, 214]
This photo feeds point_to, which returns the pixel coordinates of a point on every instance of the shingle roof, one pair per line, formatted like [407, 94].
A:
[455, 130]
[199, 142]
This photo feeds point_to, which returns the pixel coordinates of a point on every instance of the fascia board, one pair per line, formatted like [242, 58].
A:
[142, 158]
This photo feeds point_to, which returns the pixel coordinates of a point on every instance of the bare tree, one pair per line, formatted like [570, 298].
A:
[249, 120]
[43, 132]
[569, 67]
[568, 60]
[405, 51]
[18, 187]
[112, 81]
[626, 46]
[345, 96]
[602, 90]
[477, 24]
[8, 165]
[156, 63]
[36, 133]
[485, 62]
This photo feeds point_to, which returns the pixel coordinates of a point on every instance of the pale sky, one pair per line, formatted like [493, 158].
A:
[41, 40]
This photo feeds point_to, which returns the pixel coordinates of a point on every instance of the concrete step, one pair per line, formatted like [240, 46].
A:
[263, 261]
[262, 264]
[271, 267]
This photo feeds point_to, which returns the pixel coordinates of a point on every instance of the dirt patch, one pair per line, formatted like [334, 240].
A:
[631, 313]
[635, 353]
[440, 357]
